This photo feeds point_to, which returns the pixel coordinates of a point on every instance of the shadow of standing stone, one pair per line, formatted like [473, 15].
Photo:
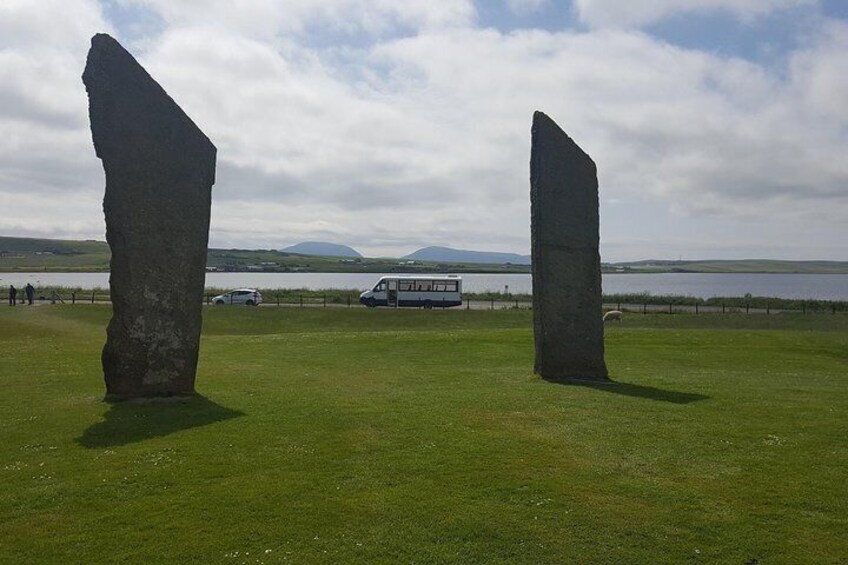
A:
[566, 263]
[639, 391]
[160, 169]
[139, 420]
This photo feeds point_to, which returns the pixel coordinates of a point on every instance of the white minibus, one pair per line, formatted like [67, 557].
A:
[411, 290]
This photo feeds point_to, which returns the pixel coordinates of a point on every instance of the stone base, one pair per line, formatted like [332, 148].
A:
[173, 399]
[578, 379]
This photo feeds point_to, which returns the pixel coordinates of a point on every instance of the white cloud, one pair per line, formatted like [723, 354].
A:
[615, 13]
[422, 137]
[659, 120]
[50, 183]
[48, 24]
[820, 74]
[441, 123]
[267, 18]
[41, 54]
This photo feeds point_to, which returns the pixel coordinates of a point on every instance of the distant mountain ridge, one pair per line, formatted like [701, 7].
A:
[450, 255]
[322, 248]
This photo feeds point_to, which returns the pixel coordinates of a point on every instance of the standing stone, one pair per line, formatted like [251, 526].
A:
[564, 227]
[160, 169]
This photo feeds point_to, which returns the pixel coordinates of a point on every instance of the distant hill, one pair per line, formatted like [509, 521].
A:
[26, 253]
[448, 255]
[734, 266]
[323, 249]
[60, 255]
[51, 246]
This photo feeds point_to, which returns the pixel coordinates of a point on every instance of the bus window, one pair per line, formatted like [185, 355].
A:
[445, 286]
[406, 285]
[424, 286]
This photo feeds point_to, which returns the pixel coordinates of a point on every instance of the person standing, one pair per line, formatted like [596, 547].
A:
[30, 293]
[13, 293]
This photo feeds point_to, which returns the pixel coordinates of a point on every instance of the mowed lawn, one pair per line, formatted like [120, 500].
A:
[376, 436]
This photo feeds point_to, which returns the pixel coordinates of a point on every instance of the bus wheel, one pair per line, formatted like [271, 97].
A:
[371, 303]
[428, 305]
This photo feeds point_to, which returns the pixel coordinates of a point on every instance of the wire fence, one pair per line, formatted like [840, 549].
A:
[336, 299]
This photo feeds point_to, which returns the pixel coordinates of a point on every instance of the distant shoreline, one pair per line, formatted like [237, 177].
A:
[464, 269]
[22, 255]
[800, 286]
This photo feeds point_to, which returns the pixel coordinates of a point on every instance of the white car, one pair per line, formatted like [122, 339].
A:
[246, 296]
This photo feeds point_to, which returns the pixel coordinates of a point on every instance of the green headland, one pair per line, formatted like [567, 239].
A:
[59, 255]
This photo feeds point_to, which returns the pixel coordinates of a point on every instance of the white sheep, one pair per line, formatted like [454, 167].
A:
[612, 315]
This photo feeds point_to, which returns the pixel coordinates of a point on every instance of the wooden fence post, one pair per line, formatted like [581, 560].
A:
[73, 298]
[301, 301]
[325, 301]
[278, 299]
[493, 304]
[696, 308]
[348, 301]
[92, 297]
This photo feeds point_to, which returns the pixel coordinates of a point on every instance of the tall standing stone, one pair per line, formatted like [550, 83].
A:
[160, 169]
[566, 262]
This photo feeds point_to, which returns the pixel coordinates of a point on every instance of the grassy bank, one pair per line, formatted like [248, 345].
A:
[337, 436]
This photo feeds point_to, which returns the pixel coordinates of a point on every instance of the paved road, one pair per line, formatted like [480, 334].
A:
[487, 305]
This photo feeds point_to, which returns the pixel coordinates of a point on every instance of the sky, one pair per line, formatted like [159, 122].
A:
[719, 127]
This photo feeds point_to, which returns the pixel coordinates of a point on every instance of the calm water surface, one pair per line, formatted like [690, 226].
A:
[822, 287]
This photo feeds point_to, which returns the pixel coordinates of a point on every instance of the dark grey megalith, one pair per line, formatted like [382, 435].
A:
[564, 226]
[160, 169]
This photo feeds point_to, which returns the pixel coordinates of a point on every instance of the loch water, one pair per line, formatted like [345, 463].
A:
[701, 285]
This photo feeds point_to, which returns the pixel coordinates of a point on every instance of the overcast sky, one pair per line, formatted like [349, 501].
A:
[719, 127]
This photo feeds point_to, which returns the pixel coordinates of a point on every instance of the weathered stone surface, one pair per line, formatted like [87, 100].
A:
[566, 267]
[160, 169]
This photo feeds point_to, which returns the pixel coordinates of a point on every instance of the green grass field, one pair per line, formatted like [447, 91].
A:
[377, 436]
